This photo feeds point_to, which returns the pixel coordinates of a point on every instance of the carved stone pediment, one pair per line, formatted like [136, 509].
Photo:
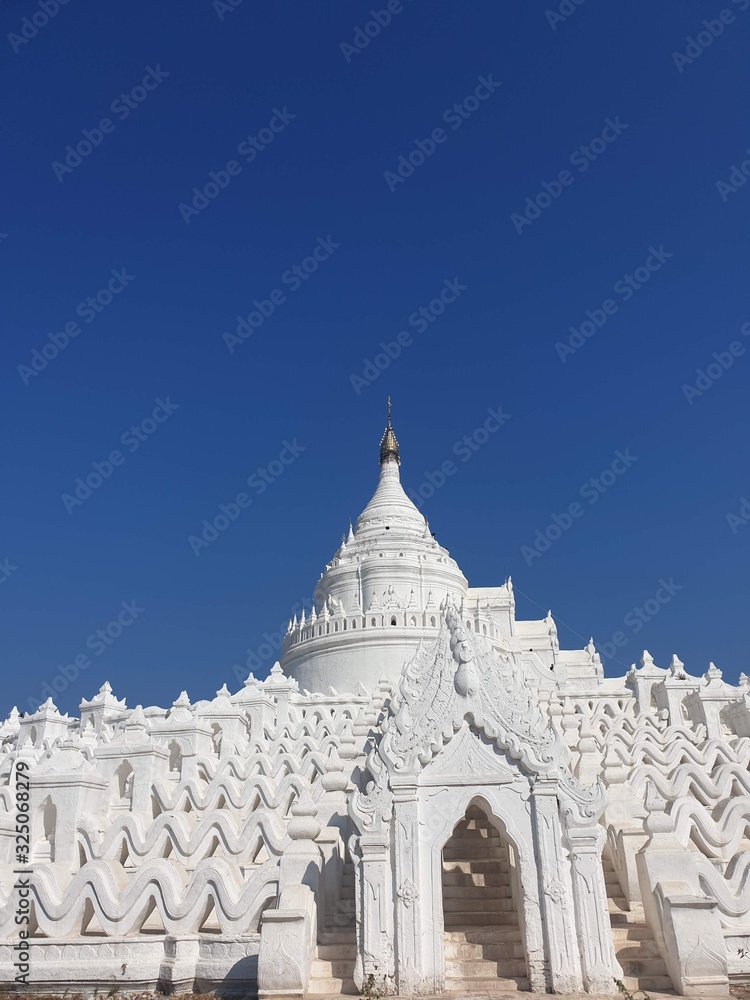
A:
[469, 757]
[461, 677]
[460, 680]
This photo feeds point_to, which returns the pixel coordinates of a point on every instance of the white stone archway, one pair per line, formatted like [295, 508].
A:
[467, 727]
[502, 812]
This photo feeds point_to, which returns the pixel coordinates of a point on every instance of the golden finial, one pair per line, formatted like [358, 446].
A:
[389, 444]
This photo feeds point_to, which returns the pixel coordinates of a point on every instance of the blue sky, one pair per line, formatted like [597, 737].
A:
[168, 171]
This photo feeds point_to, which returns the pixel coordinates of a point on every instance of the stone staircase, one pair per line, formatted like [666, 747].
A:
[635, 948]
[333, 966]
[483, 947]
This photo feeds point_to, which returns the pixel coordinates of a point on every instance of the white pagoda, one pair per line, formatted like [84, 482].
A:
[425, 795]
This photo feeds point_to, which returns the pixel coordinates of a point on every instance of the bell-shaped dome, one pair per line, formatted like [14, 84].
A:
[379, 596]
[389, 506]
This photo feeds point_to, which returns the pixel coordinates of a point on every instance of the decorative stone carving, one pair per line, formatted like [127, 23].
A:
[196, 845]
[408, 892]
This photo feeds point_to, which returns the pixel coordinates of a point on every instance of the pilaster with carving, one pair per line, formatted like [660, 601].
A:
[590, 899]
[408, 904]
[558, 912]
[371, 812]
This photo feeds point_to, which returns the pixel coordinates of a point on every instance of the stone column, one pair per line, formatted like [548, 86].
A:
[557, 904]
[407, 904]
[532, 924]
[374, 913]
[288, 934]
[592, 916]
[332, 806]
[589, 764]
[301, 861]
[181, 956]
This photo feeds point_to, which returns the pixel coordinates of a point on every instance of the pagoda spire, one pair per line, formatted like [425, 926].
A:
[389, 444]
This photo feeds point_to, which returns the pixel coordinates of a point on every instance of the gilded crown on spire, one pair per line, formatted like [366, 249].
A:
[389, 444]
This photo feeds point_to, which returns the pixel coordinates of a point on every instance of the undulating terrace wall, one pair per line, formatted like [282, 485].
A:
[156, 837]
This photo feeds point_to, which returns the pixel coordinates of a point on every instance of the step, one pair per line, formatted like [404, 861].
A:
[472, 891]
[477, 837]
[617, 904]
[661, 983]
[632, 932]
[338, 935]
[458, 877]
[637, 950]
[319, 987]
[459, 951]
[465, 918]
[485, 985]
[472, 904]
[338, 952]
[480, 968]
[481, 867]
[483, 935]
[645, 966]
[498, 896]
[488, 853]
[322, 969]
[341, 917]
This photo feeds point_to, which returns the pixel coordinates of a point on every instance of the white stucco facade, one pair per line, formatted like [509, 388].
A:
[425, 795]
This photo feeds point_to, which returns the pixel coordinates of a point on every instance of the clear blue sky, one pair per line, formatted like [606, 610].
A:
[317, 130]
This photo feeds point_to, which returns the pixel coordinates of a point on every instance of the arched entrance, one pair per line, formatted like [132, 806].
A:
[484, 950]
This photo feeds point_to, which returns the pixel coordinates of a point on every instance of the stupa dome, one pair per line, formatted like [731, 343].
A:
[380, 595]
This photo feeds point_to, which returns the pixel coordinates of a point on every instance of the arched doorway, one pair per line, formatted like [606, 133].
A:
[484, 949]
